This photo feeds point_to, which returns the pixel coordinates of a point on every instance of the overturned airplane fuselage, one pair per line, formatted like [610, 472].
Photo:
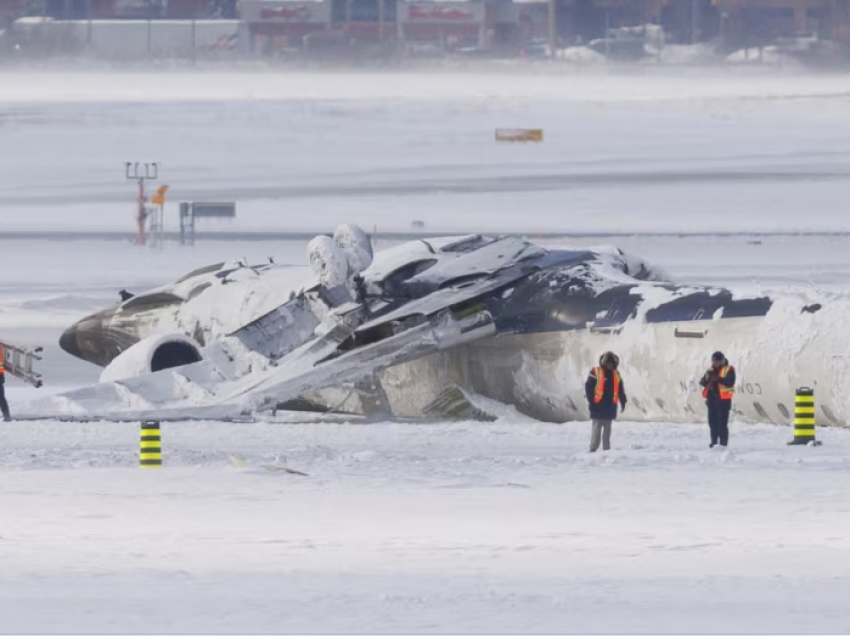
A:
[500, 317]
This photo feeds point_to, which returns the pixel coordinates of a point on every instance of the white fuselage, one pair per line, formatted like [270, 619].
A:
[544, 374]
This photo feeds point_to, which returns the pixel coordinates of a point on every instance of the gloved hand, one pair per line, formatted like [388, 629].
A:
[623, 407]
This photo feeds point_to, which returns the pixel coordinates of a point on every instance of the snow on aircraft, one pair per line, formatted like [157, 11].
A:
[436, 327]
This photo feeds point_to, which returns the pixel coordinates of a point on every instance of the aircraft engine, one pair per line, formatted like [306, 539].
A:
[327, 261]
[356, 245]
[154, 353]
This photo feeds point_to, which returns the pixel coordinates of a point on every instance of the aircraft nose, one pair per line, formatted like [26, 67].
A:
[88, 340]
[69, 341]
[97, 340]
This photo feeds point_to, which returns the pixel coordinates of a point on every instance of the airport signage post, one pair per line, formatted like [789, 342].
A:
[141, 172]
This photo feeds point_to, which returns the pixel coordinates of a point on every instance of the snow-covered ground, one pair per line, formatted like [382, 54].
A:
[709, 153]
[467, 527]
[396, 528]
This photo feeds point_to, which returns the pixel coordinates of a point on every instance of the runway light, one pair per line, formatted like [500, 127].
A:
[150, 446]
[804, 418]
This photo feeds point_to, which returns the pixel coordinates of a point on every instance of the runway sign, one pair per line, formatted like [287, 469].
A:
[519, 134]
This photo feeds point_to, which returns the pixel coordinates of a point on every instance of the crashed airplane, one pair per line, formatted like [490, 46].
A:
[433, 327]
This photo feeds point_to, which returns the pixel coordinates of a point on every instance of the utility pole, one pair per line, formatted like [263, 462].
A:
[553, 29]
[88, 25]
[694, 21]
[141, 173]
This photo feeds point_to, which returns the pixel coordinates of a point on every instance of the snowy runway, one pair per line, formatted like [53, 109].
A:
[469, 527]
[298, 151]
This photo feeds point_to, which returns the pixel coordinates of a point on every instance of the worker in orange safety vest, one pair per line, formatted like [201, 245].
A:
[718, 388]
[605, 392]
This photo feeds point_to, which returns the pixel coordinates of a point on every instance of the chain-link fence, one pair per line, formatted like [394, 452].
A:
[126, 40]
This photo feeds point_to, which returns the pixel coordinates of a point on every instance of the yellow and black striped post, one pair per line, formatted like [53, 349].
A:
[150, 446]
[804, 417]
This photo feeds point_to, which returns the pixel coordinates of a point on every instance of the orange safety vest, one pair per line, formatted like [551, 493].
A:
[726, 392]
[599, 373]
[2, 362]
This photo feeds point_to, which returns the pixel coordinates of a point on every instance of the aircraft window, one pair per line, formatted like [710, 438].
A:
[202, 270]
[702, 306]
[747, 308]
[637, 405]
[760, 410]
[691, 307]
[688, 334]
[152, 301]
[828, 412]
[785, 412]
[660, 403]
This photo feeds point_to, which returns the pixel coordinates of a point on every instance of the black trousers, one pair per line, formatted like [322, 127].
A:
[718, 421]
[4, 405]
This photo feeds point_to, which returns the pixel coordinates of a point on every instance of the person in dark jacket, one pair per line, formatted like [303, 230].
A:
[605, 392]
[718, 388]
[4, 405]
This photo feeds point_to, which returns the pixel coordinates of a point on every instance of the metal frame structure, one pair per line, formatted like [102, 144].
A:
[19, 362]
[189, 212]
[141, 173]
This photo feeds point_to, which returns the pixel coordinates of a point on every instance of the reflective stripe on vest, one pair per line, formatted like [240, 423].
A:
[599, 372]
[725, 392]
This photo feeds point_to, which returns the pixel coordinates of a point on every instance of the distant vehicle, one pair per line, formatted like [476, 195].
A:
[425, 49]
[474, 52]
[619, 48]
[534, 51]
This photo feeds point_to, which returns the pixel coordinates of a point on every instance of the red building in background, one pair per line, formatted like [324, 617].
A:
[448, 23]
[469, 23]
[275, 24]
